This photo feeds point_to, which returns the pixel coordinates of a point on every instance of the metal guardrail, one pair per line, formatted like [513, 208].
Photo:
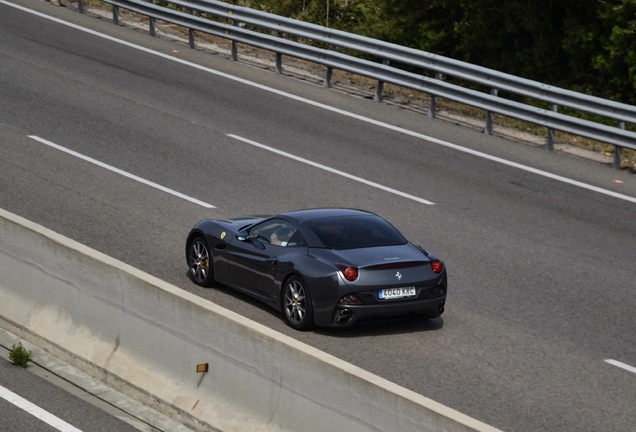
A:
[285, 36]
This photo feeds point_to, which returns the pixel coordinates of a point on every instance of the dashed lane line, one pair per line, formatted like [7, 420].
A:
[121, 172]
[621, 365]
[332, 170]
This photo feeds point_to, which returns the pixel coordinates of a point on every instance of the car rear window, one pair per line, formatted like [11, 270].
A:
[351, 232]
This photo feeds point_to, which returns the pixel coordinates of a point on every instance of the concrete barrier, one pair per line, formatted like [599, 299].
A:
[145, 337]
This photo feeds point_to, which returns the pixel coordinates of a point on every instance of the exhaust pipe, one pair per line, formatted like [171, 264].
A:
[342, 316]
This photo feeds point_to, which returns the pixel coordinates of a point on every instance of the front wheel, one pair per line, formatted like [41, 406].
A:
[199, 262]
[296, 304]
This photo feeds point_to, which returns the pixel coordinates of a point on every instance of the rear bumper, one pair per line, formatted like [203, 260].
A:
[346, 315]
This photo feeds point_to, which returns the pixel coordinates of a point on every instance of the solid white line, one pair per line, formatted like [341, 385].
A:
[36, 411]
[332, 170]
[621, 365]
[120, 172]
[337, 110]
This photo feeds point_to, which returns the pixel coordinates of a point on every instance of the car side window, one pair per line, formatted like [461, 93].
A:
[277, 232]
[282, 235]
[297, 240]
[264, 230]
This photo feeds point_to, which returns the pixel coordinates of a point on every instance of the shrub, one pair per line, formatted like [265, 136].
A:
[19, 355]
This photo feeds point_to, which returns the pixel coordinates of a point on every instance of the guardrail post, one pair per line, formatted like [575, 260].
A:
[550, 140]
[618, 150]
[116, 15]
[234, 49]
[279, 58]
[191, 32]
[432, 107]
[151, 24]
[380, 88]
[328, 76]
[617, 157]
[377, 97]
[489, 115]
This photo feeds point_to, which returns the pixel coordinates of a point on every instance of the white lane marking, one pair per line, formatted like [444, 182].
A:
[621, 365]
[332, 170]
[337, 110]
[120, 172]
[36, 411]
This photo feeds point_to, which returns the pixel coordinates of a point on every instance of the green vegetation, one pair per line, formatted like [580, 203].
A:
[19, 355]
[587, 45]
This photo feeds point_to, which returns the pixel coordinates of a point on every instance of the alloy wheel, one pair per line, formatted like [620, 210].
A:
[199, 262]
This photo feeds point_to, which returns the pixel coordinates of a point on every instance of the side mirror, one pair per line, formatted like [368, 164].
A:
[242, 235]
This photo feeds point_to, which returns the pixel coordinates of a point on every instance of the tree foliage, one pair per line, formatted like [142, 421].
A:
[615, 57]
[587, 45]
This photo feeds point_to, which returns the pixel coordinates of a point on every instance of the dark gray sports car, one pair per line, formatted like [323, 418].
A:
[324, 267]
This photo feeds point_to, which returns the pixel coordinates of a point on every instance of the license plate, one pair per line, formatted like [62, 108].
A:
[394, 293]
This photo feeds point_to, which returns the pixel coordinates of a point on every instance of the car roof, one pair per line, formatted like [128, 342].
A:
[318, 213]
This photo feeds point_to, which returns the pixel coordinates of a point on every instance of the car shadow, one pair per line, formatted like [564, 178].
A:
[386, 326]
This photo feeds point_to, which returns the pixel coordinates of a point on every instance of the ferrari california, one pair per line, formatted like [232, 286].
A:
[319, 267]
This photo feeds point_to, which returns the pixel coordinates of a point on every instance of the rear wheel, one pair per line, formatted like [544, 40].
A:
[296, 304]
[199, 262]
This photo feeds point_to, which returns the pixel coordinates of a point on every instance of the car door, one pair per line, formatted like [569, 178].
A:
[252, 259]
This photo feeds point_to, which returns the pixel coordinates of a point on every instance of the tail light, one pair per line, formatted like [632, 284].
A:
[350, 273]
[437, 266]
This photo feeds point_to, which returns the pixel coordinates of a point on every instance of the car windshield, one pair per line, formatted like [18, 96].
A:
[351, 232]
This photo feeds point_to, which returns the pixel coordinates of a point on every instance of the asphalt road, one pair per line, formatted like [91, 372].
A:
[44, 405]
[542, 280]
